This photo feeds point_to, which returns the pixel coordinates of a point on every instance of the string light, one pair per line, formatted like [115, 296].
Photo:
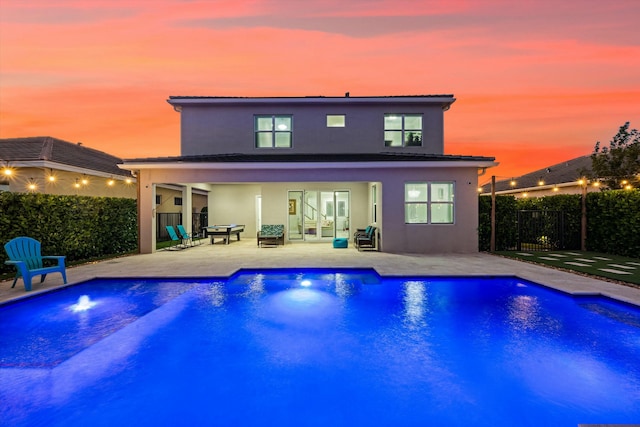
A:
[31, 185]
[51, 177]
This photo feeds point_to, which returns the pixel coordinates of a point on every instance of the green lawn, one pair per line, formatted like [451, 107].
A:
[618, 268]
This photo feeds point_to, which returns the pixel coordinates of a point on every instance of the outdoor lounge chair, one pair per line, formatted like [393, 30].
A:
[177, 242]
[366, 240]
[24, 253]
[271, 235]
[363, 232]
[186, 237]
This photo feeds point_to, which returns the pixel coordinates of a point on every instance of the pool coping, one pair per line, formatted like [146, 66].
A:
[224, 260]
[242, 270]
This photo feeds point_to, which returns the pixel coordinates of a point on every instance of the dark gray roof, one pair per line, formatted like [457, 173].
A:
[307, 158]
[444, 101]
[46, 148]
[567, 171]
[311, 97]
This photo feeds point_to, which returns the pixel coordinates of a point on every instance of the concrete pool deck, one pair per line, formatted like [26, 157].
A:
[223, 260]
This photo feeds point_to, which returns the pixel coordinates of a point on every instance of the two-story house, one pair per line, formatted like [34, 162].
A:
[323, 167]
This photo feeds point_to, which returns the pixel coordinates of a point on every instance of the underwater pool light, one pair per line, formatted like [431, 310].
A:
[84, 303]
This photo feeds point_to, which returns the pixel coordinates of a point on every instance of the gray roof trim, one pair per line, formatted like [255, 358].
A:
[315, 161]
[444, 100]
[312, 158]
[120, 175]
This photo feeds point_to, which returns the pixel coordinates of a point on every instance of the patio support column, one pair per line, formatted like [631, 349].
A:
[146, 213]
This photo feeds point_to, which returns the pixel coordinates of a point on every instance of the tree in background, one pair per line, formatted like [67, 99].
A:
[619, 164]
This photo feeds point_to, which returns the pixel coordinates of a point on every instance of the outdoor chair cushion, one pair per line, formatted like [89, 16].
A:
[271, 233]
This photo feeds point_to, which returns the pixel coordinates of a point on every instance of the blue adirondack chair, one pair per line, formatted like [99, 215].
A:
[24, 253]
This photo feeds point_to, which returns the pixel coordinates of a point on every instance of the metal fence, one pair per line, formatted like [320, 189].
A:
[198, 221]
[541, 230]
[164, 219]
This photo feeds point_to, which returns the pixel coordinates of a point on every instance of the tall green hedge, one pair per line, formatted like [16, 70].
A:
[79, 227]
[613, 220]
[506, 223]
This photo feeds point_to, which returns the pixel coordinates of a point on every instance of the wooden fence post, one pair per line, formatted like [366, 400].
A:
[492, 244]
[583, 222]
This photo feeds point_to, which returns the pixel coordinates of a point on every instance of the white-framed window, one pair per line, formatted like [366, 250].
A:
[429, 202]
[336, 120]
[274, 131]
[402, 130]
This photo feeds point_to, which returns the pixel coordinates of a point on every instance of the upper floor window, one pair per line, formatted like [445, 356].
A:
[177, 201]
[336, 120]
[429, 202]
[402, 130]
[273, 131]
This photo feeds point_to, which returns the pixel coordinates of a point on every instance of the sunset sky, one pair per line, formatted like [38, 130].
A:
[536, 81]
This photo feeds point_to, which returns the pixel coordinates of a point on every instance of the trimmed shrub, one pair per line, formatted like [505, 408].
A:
[613, 222]
[506, 223]
[79, 227]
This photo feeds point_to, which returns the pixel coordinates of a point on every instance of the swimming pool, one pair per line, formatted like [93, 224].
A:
[318, 347]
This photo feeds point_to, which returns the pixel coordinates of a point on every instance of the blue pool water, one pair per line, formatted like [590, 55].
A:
[318, 348]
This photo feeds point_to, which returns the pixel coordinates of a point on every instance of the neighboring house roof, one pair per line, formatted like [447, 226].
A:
[45, 151]
[569, 171]
[313, 158]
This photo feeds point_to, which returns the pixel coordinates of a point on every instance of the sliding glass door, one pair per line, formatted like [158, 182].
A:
[318, 215]
[342, 213]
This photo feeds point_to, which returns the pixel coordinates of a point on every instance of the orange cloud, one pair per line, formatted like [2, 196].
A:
[536, 83]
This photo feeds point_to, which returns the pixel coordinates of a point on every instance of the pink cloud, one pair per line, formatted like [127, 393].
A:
[535, 82]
